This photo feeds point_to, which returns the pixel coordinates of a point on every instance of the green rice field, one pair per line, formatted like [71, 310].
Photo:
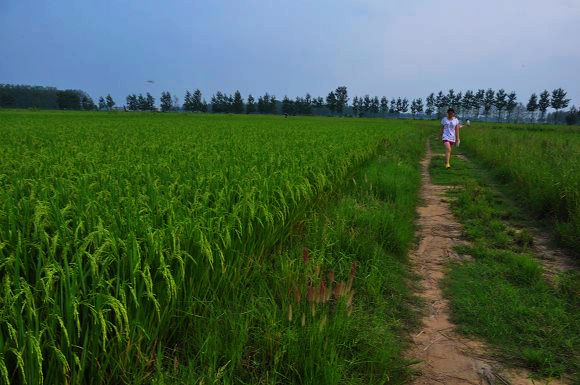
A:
[144, 248]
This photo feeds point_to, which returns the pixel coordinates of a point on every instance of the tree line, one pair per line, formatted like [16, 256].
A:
[490, 104]
[221, 102]
[25, 96]
[471, 103]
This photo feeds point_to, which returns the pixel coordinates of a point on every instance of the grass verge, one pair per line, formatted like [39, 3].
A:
[540, 166]
[502, 294]
[331, 306]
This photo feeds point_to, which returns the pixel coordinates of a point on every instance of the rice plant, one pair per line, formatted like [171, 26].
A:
[124, 235]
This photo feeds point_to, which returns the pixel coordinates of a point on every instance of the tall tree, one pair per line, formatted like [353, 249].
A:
[405, 105]
[488, 101]
[238, 103]
[166, 102]
[467, 102]
[150, 102]
[520, 108]
[440, 103]
[132, 102]
[413, 107]
[287, 106]
[223, 102]
[341, 95]
[572, 116]
[384, 105]
[393, 107]
[419, 105]
[110, 101]
[141, 103]
[359, 107]
[544, 103]
[196, 102]
[375, 105]
[450, 98]
[331, 101]
[399, 107]
[87, 103]
[367, 103]
[103, 104]
[272, 105]
[500, 102]
[559, 100]
[511, 104]
[218, 103]
[355, 106]
[477, 102]
[261, 104]
[187, 102]
[250, 105]
[430, 103]
[457, 102]
[532, 106]
[299, 106]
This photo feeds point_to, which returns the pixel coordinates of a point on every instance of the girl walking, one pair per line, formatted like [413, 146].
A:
[449, 133]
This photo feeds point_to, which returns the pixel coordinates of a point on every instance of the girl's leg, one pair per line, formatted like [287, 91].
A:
[447, 153]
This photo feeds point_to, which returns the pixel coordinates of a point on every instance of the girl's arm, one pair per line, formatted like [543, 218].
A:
[441, 133]
[457, 127]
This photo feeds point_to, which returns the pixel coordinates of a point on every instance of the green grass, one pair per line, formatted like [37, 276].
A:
[540, 164]
[460, 171]
[502, 294]
[153, 248]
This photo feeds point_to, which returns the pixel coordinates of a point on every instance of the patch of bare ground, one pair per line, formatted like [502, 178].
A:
[554, 260]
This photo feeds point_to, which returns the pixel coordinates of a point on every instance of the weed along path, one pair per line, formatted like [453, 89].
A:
[445, 356]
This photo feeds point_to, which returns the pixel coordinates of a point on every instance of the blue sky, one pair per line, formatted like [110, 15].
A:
[391, 48]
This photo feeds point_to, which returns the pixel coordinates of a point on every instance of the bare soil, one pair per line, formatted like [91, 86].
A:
[555, 260]
[447, 357]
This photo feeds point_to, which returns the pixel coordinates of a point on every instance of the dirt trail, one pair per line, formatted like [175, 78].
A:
[447, 357]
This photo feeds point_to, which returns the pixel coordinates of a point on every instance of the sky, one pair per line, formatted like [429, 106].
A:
[377, 47]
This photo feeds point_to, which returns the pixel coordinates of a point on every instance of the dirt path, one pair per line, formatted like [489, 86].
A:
[447, 357]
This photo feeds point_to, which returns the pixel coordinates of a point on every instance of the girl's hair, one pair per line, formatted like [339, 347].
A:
[451, 110]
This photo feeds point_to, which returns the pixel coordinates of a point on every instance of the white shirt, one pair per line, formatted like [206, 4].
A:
[449, 128]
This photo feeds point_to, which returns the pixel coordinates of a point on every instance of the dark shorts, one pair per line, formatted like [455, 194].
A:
[450, 142]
